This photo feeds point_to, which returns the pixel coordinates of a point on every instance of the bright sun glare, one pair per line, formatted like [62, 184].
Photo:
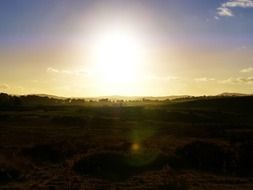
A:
[117, 56]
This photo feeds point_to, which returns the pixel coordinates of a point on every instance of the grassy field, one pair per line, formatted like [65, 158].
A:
[203, 143]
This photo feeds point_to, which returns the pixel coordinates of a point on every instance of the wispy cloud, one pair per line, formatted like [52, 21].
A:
[68, 72]
[161, 78]
[52, 70]
[247, 70]
[204, 79]
[247, 80]
[227, 81]
[226, 9]
[4, 87]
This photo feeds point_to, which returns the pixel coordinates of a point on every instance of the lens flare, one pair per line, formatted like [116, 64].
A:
[135, 147]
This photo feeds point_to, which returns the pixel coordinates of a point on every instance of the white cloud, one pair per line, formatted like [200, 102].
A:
[224, 11]
[226, 8]
[247, 70]
[204, 79]
[239, 3]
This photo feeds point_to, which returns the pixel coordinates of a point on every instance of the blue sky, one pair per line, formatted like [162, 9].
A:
[30, 21]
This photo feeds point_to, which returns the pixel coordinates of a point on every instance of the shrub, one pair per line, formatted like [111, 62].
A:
[114, 166]
[245, 158]
[207, 156]
[8, 175]
[44, 153]
[68, 120]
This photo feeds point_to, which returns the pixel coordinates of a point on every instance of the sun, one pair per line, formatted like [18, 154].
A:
[117, 56]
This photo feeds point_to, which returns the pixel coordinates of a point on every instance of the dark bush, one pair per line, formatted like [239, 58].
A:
[207, 156]
[245, 159]
[68, 120]
[105, 165]
[113, 166]
[44, 153]
[8, 175]
[173, 185]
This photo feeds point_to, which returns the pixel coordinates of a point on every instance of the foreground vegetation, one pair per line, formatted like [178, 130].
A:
[187, 143]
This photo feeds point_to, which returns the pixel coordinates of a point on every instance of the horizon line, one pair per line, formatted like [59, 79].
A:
[130, 96]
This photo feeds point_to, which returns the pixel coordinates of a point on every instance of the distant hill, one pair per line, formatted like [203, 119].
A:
[233, 94]
[113, 97]
[139, 98]
[160, 98]
[48, 95]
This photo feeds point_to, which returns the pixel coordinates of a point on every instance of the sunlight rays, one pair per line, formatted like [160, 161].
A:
[117, 58]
